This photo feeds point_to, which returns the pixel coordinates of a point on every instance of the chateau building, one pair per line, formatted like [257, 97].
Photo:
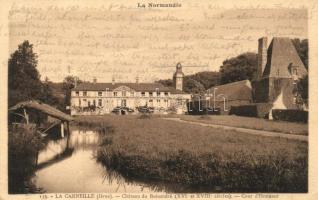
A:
[103, 98]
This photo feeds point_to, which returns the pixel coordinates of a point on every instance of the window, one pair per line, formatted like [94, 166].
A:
[100, 93]
[123, 93]
[277, 72]
[85, 94]
[100, 102]
[94, 103]
[295, 71]
[79, 102]
[84, 100]
[158, 100]
[132, 94]
[166, 94]
[150, 100]
[143, 94]
[115, 94]
[166, 100]
[77, 93]
[150, 94]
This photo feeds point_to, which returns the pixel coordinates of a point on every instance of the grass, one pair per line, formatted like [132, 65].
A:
[250, 122]
[201, 157]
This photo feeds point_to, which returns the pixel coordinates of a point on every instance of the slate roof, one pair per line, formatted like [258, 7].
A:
[280, 55]
[45, 108]
[239, 90]
[140, 87]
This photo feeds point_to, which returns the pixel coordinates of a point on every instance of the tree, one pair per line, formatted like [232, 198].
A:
[239, 68]
[206, 78]
[303, 88]
[166, 82]
[68, 84]
[24, 79]
[301, 47]
[192, 86]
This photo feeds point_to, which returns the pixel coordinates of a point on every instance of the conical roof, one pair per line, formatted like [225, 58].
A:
[281, 55]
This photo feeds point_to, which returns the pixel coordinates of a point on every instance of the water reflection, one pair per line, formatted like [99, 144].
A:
[79, 170]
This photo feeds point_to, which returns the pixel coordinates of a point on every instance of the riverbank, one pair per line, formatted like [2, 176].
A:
[211, 160]
[24, 144]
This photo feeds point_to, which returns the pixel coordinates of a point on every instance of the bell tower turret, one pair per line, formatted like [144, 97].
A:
[178, 78]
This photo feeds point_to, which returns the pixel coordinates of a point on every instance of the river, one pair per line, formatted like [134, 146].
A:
[78, 170]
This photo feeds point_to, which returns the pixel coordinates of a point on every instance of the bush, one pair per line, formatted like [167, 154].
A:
[24, 144]
[290, 115]
[260, 110]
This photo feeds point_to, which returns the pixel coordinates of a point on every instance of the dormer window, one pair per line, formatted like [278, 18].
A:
[293, 70]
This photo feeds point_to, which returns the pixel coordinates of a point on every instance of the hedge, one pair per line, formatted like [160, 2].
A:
[252, 110]
[290, 115]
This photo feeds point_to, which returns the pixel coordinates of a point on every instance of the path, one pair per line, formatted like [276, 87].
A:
[245, 130]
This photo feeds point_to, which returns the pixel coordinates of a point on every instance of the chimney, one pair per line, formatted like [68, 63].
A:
[261, 57]
[75, 82]
[113, 80]
[94, 80]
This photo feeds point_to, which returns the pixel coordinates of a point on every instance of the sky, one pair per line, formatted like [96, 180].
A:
[125, 42]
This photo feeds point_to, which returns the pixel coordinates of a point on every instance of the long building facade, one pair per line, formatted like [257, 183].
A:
[102, 98]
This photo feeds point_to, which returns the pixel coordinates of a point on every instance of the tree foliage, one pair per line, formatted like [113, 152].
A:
[303, 88]
[24, 79]
[68, 84]
[193, 86]
[238, 68]
[302, 50]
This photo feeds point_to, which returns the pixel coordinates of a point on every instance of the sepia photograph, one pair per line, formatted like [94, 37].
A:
[162, 99]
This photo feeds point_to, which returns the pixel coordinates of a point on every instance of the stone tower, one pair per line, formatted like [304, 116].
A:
[262, 57]
[178, 78]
